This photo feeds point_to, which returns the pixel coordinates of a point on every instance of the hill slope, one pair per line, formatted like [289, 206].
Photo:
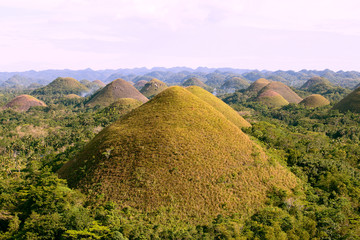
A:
[271, 99]
[219, 105]
[115, 90]
[178, 155]
[194, 81]
[235, 83]
[62, 85]
[122, 106]
[153, 87]
[314, 100]
[24, 102]
[258, 85]
[283, 90]
[350, 103]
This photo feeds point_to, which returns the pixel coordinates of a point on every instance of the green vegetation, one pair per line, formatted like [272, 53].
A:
[115, 90]
[153, 87]
[62, 86]
[24, 102]
[350, 103]
[235, 83]
[271, 99]
[315, 100]
[193, 81]
[140, 84]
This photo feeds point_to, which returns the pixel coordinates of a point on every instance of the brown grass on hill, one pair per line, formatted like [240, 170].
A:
[271, 99]
[315, 100]
[153, 87]
[178, 155]
[283, 90]
[350, 103]
[24, 102]
[258, 85]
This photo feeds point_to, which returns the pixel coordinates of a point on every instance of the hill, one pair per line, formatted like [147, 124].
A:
[194, 81]
[235, 83]
[258, 85]
[62, 85]
[350, 103]
[140, 84]
[219, 105]
[122, 106]
[314, 100]
[115, 90]
[271, 99]
[24, 102]
[99, 83]
[153, 87]
[72, 96]
[179, 156]
[283, 90]
[317, 85]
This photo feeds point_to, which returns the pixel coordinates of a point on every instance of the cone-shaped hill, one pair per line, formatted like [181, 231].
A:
[178, 155]
[317, 85]
[219, 105]
[235, 83]
[115, 90]
[62, 85]
[350, 103]
[24, 102]
[314, 100]
[99, 83]
[283, 90]
[194, 81]
[258, 85]
[271, 99]
[122, 106]
[153, 87]
[140, 84]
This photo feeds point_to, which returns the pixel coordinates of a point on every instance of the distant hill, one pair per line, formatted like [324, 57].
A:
[193, 81]
[113, 91]
[219, 105]
[62, 85]
[350, 103]
[140, 84]
[283, 90]
[271, 99]
[235, 83]
[178, 156]
[24, 102]
[314, 100]
[317, 85]
[258, 85]
[153, 87]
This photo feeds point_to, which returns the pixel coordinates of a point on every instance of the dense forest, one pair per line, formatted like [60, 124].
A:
[318, 145]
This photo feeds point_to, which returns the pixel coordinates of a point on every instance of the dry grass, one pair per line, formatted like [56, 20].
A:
[153, 87]
[24, 102]
[271, 99]
[315, 100]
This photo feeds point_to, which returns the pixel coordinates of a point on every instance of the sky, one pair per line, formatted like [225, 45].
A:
[245, 34]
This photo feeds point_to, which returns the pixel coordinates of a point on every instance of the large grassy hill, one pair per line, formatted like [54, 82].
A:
[177, 155]
[62, 85]
[24, 102]
[314, 100]
[271, 99]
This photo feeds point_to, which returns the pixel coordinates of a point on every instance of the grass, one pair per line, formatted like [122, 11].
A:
[177, 152]
[283, 90]
[350, 103]
[24, 102]
[258, 85]
[196, 82]
[219, 105]
[62, 85]
[122, 106]
[271, 99]
[314, 100]
[72, 96]
[153, 87]
[115, 90]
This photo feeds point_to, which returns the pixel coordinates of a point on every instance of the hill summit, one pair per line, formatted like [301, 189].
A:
[235, 83]
[115, 90]
[24, 102]
[271, 99]
[153, 87]
[350, 103]
[317, 85]
[62, 85]
[258, 85]
[283, 90]
[178, 155]
[194, 81]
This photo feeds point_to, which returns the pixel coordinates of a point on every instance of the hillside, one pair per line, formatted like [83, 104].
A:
[178, 155]
[235, 83]
[140, 84]
[24, 102]
[122, 106]
[317, 85]
[193, 81]
[283, 90]
[258, 85]
[219, 105]
[115, 90]
[62, 85]
[350, 103]
[153, 87]
[271, 99]
[99, 83]
[72, 96]
[315, 100]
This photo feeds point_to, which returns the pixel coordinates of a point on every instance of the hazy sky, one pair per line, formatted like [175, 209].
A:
[255, 34]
